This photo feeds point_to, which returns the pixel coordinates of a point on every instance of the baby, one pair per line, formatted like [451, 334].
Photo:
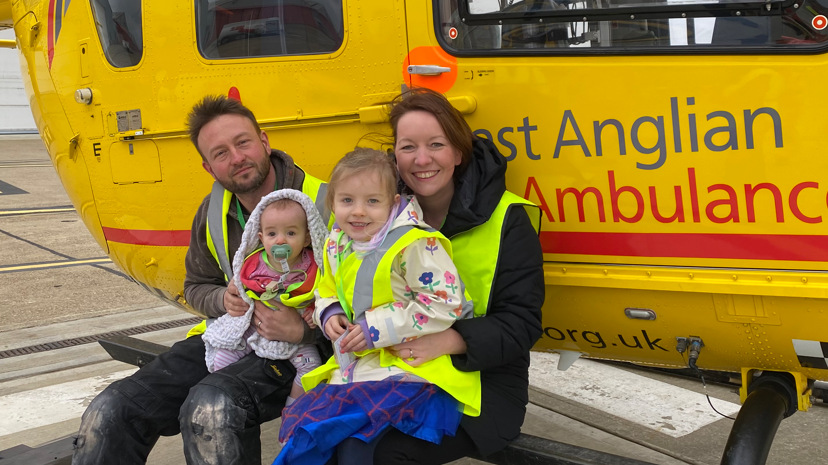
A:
[282, 267]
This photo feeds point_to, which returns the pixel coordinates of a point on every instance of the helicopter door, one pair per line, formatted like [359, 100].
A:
[305, 63]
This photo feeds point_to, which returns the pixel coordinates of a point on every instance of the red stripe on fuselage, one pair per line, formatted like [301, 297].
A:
[680, 245]
[172, 238]
[50, 48]
[662, 245]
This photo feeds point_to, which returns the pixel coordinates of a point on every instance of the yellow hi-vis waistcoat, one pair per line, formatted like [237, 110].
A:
[217, 241]
[363, 284]
[477, 250]
[299, 301]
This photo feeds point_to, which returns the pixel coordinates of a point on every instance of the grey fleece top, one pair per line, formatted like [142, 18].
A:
[204, 283]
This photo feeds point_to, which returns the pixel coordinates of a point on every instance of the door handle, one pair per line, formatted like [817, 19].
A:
[427, 70]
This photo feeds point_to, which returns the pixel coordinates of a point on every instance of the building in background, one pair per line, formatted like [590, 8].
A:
[15, 114]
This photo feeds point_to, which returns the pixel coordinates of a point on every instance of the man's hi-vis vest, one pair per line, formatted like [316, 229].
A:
[477, 250]
[363, 284]
[217, 242]
[220, 199]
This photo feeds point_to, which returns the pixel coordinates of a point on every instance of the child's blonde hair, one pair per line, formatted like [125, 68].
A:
[362, 160]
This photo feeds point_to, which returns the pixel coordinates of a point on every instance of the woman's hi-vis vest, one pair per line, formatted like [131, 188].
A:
[217, 242]
[476, 251]
[363, 284]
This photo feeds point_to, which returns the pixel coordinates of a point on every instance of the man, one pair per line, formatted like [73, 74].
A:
[217, 414]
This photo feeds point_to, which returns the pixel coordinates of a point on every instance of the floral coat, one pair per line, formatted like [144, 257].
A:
[427, 291]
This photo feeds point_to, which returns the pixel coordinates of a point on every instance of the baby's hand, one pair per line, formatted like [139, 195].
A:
[336, 326]
[308, 316]
[234, 305]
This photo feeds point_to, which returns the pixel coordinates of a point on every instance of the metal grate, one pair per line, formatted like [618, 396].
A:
[94, 338]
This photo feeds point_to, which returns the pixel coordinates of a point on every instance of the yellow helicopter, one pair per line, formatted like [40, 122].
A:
[673, 147]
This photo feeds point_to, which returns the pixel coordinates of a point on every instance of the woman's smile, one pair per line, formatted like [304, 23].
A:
[426, 174]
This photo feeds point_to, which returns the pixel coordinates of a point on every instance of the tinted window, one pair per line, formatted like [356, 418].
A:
[254, 28]
[119, 30]
[523, 25]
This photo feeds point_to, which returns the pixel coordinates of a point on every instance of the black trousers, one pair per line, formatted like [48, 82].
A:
[397, 448]
[218, 414]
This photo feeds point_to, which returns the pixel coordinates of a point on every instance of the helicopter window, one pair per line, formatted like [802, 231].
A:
[119, 29]
[255, 28]
[528, 27]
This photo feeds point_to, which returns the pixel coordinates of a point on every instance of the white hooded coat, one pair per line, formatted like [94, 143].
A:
[226, 331]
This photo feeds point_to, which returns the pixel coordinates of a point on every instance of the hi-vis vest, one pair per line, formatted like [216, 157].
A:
[363, 284]
[477, 250]
[220, 199]
[293, 297]
[217, 241]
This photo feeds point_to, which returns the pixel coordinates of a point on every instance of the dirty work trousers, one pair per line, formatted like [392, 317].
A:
[218, 414]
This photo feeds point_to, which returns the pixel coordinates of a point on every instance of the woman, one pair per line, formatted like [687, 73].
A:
[460, 182]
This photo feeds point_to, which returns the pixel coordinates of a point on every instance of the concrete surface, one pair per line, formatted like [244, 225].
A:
[39, 296]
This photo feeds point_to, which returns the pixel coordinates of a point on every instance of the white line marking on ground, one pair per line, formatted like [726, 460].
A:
[51, 404]
[665, 408]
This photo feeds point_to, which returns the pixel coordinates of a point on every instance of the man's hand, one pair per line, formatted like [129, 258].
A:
[428, 347]
[355, 340]
[283, 324]
[307, 315]
[234, 305]
[336, 326]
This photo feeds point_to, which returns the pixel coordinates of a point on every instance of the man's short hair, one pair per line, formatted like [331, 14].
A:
[210, 108]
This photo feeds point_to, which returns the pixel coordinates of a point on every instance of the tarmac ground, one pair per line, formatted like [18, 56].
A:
[57, 287]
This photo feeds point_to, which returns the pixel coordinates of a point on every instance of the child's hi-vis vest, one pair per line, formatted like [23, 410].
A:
[297, 295]
[361, 284]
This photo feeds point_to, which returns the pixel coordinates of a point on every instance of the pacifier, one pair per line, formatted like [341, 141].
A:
[281, 252]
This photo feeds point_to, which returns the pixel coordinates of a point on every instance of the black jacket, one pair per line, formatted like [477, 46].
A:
[498, 344]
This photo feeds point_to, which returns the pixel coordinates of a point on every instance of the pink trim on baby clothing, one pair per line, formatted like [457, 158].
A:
[257, 279]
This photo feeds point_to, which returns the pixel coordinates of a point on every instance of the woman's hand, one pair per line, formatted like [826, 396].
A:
[336, 326]
[355, 340]
[428, 347]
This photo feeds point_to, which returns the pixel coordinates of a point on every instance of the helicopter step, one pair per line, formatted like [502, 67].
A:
[525, 450]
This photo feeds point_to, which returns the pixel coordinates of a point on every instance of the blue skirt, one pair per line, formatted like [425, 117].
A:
[318, 421]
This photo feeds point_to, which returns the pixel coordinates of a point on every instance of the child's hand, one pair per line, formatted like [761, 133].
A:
[336, 326]
[355, 340]
[234, 305]
[308, 316]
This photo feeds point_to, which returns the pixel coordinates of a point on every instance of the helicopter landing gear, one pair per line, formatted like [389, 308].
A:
[767, 398]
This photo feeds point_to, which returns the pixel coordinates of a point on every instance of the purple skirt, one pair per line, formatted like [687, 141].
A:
[328, 414]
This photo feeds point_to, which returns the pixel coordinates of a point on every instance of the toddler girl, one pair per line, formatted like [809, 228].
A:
[388, 278]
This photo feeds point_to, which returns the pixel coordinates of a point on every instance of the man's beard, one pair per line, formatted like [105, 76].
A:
[249, 185]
